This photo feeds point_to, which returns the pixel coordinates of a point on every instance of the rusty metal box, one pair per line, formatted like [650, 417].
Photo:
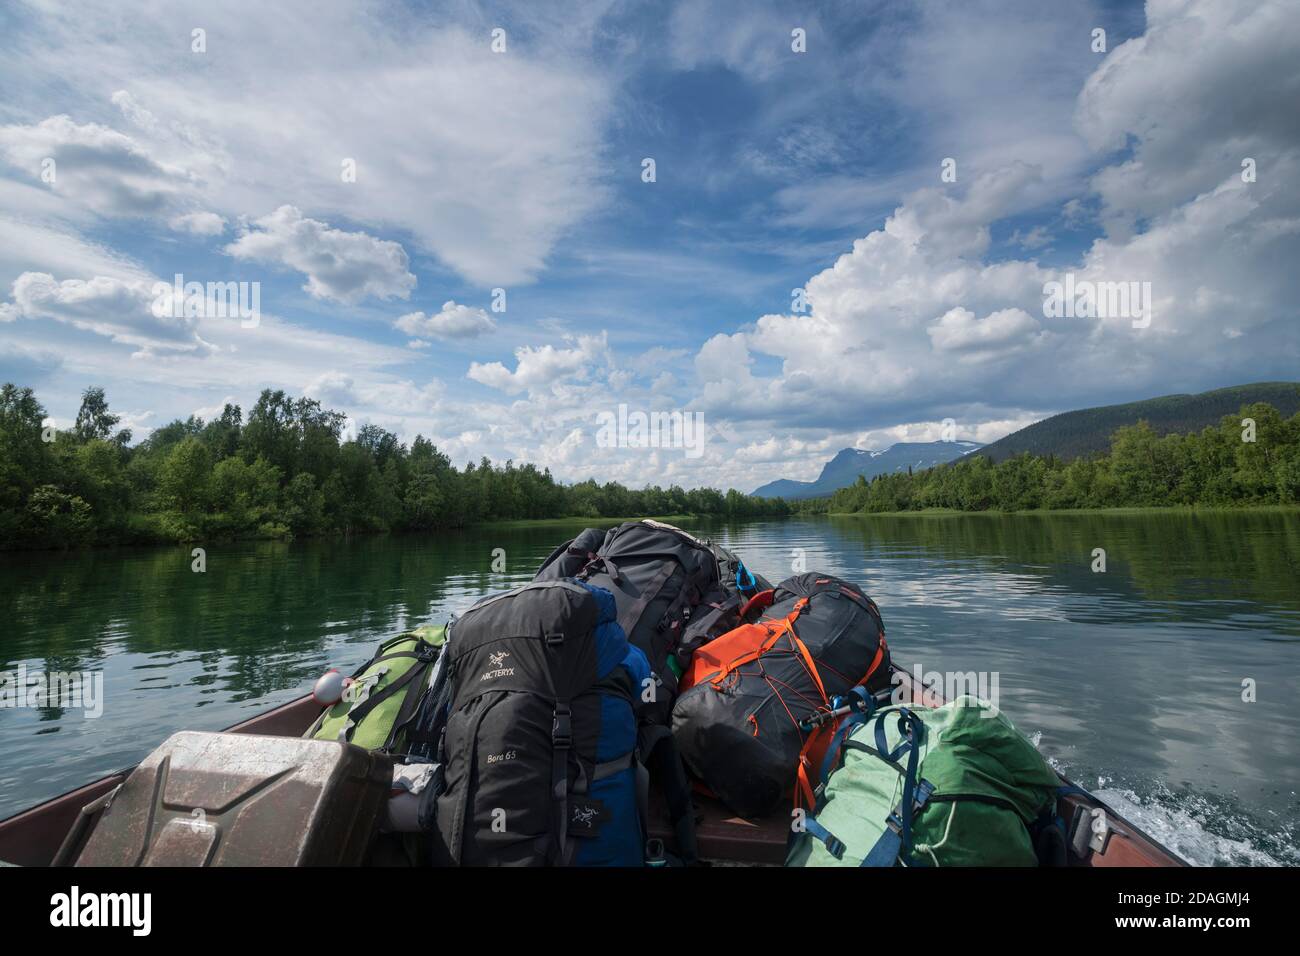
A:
[209, 799]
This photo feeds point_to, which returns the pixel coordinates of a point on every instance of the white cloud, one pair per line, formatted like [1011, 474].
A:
[1207, 85]
[120, 311]
[452, 322]
[98, 167]
[27, 246]
[750, 38]
[925, 317]
[199, 223]
[920, 318]
[959, 330]
[537, 369]
[484, 159]
[343, 266]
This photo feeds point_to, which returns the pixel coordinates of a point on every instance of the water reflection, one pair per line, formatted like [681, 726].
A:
[1133, 675]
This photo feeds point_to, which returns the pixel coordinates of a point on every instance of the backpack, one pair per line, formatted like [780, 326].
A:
[742, 723]
[673, 591]
[377, 709]
[538, 752]
[955, 785]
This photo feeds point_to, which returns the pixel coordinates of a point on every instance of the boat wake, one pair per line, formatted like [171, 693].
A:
[1202, 829]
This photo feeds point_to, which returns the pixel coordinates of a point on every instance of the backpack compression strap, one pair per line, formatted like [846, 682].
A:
[897, 838]
[561, 740]
[424, 656]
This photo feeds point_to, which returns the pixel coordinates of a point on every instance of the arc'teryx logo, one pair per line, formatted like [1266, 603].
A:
[496, 660]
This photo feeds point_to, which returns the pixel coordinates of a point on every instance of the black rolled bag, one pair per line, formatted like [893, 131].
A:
[674, 592]
[538, 753]
[748, 721]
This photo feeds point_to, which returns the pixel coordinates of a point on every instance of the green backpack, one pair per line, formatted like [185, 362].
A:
[385, 694]
[972, 787]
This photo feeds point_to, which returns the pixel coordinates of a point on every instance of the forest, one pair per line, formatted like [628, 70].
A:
[1251, 458]
[283, 471]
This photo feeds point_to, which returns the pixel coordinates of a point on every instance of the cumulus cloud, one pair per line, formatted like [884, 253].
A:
[343, 266]
[121, 311]
[546, 366]
[925, 316]
[959, 330]
[452, 322]
[934, 312]
[1207, 85]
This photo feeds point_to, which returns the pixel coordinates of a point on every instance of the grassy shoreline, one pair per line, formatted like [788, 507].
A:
[1119, 511]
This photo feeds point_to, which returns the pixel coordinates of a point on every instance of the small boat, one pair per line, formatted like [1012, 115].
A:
[1096, 834]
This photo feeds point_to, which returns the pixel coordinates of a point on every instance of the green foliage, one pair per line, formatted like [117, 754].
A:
[94, 421]
[1217, 466]
[284, 472]
[59, 520]
[1088, 431]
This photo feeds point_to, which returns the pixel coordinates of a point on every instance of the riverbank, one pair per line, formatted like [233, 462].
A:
[138, 540]
[1061, 512]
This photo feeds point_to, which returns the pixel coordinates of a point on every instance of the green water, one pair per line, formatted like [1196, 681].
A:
[1129, 680]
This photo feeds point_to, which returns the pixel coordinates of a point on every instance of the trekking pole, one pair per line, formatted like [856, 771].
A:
[857, 702]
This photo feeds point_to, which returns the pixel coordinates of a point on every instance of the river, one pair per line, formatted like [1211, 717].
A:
[1167, 682]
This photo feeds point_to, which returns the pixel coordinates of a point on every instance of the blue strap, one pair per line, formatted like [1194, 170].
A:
[864, 706]
[908, 742]
[885, 852]
[834, 845]
[740, 582]
[897, 837]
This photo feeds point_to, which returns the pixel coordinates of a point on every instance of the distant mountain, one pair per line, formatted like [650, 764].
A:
[843, 470]
[1089, 430]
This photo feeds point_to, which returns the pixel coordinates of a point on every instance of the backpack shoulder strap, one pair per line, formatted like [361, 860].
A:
[662, 764]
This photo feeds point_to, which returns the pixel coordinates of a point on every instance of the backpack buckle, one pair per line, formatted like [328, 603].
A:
[554, 640]
[561, 728]
[835, 847]
[923, 791]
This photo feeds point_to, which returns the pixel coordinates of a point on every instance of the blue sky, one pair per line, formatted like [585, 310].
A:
[522, 170]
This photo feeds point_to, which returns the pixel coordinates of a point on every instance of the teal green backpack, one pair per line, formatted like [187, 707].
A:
[378, 707]
[955, 785]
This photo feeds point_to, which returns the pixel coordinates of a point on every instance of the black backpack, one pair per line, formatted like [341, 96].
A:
[538, 753]
[674, 592]
[750, 712]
